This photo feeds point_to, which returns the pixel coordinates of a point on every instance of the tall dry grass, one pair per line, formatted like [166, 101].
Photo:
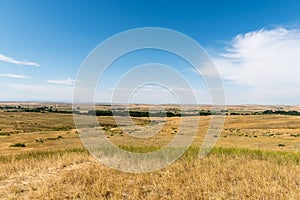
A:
[227, 173]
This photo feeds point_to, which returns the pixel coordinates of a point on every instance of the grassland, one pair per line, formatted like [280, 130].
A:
[224, 174]
[256, 157]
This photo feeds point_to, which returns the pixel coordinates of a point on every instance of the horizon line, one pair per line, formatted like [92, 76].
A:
[109, 103]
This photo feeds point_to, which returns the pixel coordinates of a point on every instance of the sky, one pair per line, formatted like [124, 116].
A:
[254, 45]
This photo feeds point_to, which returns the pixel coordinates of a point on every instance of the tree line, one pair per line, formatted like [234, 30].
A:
[134, 113]
[281, 112]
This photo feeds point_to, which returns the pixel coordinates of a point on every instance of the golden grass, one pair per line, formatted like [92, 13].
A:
[224, 174]
[255, 132]
[27, 122]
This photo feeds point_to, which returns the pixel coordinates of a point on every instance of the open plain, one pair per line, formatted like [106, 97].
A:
[257, 156]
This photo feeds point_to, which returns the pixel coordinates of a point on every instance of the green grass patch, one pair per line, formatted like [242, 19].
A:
[139, 149]
[278, 157]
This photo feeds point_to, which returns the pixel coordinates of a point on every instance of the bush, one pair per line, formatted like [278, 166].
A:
[46, 139]
[18, 145]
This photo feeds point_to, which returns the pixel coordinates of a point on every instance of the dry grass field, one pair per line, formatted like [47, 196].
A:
[256, 157]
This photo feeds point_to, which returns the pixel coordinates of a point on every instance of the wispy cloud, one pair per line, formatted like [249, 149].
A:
[14, 76]
[13, 61]
[265, 61]
[68, 81]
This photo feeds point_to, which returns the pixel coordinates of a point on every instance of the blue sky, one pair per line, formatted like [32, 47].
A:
[254, 45]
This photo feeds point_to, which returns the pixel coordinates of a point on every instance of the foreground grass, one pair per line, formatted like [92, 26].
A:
[226, 173]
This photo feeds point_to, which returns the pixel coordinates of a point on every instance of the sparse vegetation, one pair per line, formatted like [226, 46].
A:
[256, 157]
[18, 145]
[49, 138]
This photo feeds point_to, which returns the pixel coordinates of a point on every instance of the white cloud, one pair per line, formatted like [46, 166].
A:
[68, 81]
[264, 62]
[14, 76]
[13, 61]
